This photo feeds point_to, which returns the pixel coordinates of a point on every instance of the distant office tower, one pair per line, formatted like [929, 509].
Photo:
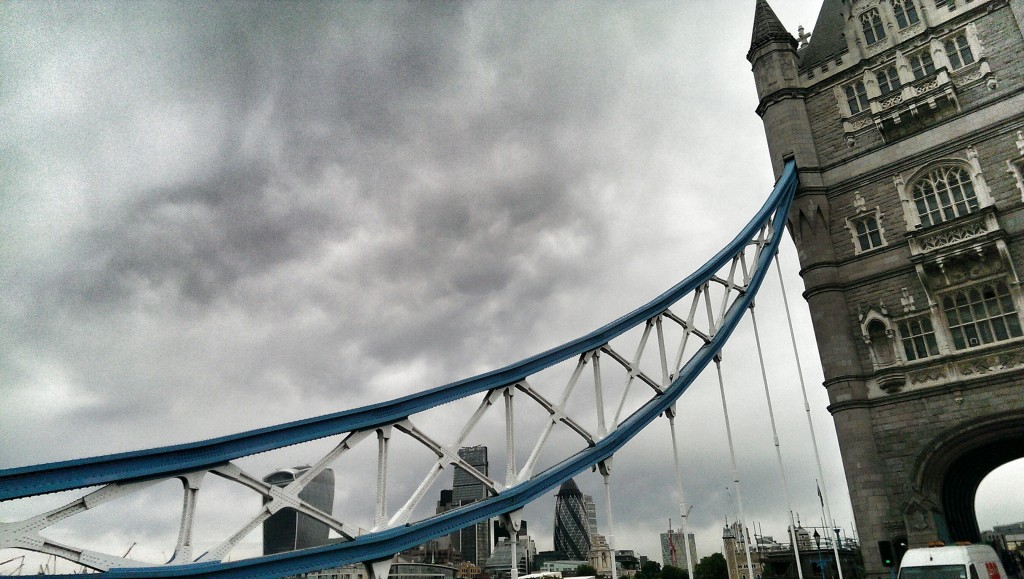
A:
[474, 541]
[588, 502]
[571, 536]
[499, 564]
[444, 502]
[672, 549]
[287, 529]
[465, 487]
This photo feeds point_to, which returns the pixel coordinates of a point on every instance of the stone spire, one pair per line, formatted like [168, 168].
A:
[767, 28]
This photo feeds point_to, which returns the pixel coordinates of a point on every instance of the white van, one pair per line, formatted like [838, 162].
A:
[956, 562]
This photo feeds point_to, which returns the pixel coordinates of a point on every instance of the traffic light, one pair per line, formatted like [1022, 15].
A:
[885, 550]
[899, 547]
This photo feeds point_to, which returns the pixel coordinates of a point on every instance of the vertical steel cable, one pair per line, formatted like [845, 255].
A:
[679, 487]
[778, 451]
[807, 410]
[735, 471]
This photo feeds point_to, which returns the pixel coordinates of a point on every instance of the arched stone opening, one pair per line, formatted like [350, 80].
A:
[948, 476]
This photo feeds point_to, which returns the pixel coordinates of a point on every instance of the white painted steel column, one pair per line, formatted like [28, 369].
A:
[683, 512]
[599, 396]
[381, 515]
[510, 476]
[183, 550]
[606, 470]
[510, 441]
[514, 572]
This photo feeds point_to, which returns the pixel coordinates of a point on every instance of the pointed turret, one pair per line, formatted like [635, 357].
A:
[767, 28]
[774, 59]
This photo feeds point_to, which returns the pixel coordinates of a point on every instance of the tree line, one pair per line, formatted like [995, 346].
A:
[711, 567]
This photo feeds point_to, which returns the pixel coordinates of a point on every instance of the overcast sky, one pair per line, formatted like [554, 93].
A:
[221, 216]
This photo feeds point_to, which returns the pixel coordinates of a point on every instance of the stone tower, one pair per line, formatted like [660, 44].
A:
[906, 121]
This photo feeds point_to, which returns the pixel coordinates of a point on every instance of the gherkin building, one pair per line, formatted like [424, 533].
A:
[571, 537]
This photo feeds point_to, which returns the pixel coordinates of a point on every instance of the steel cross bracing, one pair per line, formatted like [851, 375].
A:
[682, 331]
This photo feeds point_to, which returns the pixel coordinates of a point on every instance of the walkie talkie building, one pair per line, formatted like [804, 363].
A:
[287, 529]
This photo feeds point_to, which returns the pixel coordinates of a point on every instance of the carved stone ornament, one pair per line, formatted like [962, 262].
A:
[802, 36]
[917, 517]
[1016, 170]
[989, 364]
[892, 380]
[953, 236]
[907, 301]
[927, 375]
[963, 268]
[858, 202]
[809, 219]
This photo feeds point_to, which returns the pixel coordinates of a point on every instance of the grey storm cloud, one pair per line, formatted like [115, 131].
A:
[221, 216]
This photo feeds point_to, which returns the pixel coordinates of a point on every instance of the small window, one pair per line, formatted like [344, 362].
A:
[922, 65]
[905, 12]
[871, 24]
[888, 80]
[981, 314]
[944, 193]
[918, 338]
[959, 51]
[856, 97]
[869, 236]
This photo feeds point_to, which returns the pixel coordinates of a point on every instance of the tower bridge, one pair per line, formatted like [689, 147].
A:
[896, 131]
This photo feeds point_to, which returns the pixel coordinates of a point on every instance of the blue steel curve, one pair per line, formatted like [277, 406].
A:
[179, 459]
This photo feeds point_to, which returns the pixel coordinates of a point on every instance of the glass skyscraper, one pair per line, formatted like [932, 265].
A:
[588, 502]
[287, 529]
[572, 536]
[474, 541]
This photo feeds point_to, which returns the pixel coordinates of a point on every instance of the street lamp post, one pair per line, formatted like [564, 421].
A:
[817, 544]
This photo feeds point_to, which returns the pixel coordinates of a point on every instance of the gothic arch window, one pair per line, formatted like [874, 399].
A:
[871, 25]
[905, 12]
[869, 236]
[944, 193]
[888, 80]
[866, 230]
[958, 50]
[856, 97]
[921, 64]
[981, 314]
[918, 337]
